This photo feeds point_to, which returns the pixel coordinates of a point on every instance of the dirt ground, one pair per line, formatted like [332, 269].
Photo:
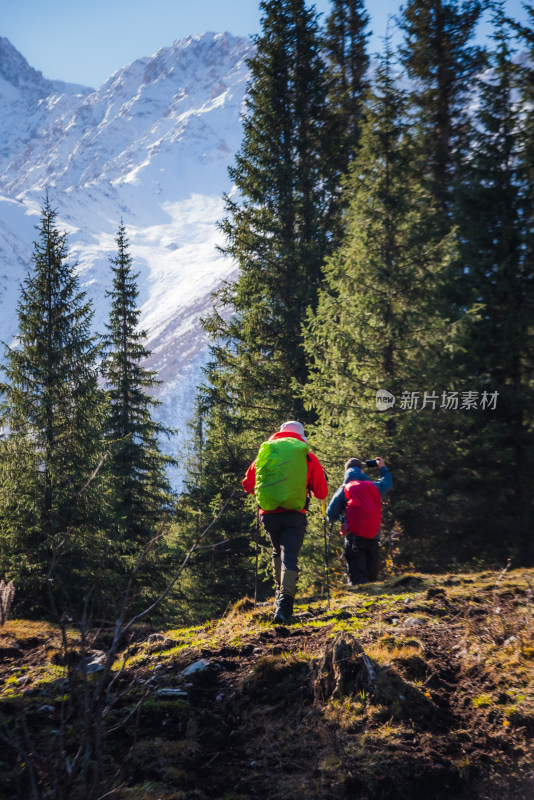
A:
[408, 690]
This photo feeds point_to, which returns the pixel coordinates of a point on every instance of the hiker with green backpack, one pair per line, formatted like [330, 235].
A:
[282, 477]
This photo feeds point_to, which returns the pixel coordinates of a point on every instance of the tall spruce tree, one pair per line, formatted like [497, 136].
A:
[345, 42]
[442, 64]
[52, 413]
[140, 487]
[496, 218]
[280, 224]
[378, 323]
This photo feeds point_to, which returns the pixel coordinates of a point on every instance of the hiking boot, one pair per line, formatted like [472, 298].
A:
[284, 611]
[286, 596]
[279, 618]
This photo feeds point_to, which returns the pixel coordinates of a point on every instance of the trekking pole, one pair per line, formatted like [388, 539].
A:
[326, 569]
[257, 553]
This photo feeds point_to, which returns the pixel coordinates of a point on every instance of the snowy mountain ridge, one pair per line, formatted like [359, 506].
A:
[19, 75]
[151, 146]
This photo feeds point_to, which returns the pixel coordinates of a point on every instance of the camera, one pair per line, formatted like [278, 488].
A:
[371, 463]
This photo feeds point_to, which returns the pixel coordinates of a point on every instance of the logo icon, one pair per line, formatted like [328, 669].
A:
[384, 400]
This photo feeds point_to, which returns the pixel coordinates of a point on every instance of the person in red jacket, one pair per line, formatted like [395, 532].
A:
[286, 528]
[358, 504]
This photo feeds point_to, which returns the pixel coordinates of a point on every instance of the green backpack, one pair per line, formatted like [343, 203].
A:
[281, 474]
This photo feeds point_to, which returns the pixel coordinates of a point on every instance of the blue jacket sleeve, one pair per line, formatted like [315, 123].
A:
[385, 484]
[337, 504]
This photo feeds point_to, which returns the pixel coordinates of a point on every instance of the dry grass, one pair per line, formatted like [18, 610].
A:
[467, 672]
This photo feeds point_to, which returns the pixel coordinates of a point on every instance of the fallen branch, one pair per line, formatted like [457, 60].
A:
[505, 570]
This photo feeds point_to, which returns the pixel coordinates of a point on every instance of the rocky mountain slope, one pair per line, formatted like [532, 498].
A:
[151, 147]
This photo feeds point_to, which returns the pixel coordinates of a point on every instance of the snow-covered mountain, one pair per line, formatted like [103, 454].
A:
[150, 147]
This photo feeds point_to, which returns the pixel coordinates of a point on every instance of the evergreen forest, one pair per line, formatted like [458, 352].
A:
[382, 225]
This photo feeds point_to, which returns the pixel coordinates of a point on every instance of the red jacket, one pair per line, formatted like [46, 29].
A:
[316, 480]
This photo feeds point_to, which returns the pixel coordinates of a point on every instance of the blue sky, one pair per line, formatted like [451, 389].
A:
[85, 41]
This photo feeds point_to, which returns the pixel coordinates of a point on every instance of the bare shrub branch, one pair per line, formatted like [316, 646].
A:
[89, 699]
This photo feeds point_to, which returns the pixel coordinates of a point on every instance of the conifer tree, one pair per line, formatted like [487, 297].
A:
[345, 43]
[280, 225]
[139, 484]
[496, 280]
[278, 228]
[442, 63]
[378, 323]
[52, 413]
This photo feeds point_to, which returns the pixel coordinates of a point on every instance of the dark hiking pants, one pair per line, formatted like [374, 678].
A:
[361, 556]
[286, 532]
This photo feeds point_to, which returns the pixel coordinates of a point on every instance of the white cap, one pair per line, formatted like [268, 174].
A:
[294, 427]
